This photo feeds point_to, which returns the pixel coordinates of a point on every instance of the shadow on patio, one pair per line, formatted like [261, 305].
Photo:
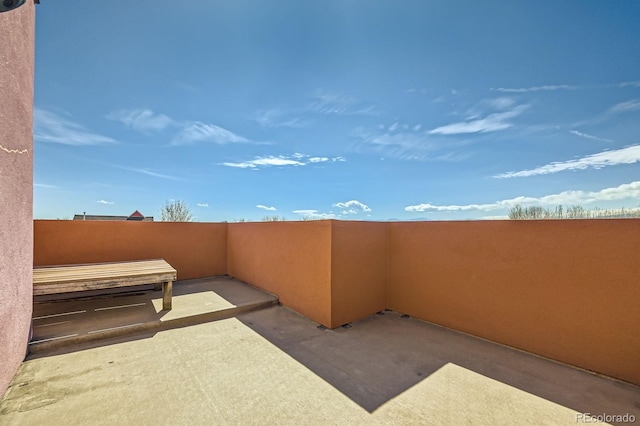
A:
[275, 366]
[382, 356]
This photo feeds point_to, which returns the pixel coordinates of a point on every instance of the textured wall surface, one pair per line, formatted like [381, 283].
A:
[568, 290]
[290, 259]
[358, 270]
[194, 249]
[17, 43]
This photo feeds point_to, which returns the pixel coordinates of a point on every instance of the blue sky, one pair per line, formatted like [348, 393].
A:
[359, 110]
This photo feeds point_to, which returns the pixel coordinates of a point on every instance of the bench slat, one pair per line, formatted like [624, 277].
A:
[57, 274]
[71, 278]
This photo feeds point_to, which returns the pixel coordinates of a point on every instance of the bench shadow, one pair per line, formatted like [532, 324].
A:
[72, 322]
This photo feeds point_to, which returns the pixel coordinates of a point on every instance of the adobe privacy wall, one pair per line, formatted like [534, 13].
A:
[565, 289]
[358, 270]
[17, 43]
[194, 249]
[333, 272]
[289, 259]
[568, 290]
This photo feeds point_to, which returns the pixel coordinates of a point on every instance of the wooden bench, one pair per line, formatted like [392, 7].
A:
[68, 278]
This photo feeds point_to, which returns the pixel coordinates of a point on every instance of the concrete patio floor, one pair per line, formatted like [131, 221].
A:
[273, 366]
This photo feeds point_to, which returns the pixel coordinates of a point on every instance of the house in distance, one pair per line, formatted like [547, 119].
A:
[133, 216]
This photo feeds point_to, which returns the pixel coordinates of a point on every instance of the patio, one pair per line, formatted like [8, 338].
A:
[564, 290]
[274, 366]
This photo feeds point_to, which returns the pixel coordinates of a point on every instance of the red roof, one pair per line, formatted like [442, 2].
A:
[136, 214]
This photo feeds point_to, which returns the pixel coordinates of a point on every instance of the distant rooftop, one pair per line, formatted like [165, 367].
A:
[136, 215]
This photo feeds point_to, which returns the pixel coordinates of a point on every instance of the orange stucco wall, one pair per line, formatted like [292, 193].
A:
[290, 259]
[358, 270]
[17, 45]
[193, 249]
[568, 290]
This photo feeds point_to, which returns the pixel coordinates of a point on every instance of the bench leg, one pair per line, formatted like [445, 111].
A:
[167, 291]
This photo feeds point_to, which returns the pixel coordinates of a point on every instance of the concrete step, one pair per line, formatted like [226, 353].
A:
[60, 323]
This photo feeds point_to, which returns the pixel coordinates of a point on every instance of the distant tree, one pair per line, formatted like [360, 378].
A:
[274, 218]
[518, 212]
[577, 212]
[175, 211]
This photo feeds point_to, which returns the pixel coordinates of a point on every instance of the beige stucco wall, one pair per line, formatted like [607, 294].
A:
[17, 43]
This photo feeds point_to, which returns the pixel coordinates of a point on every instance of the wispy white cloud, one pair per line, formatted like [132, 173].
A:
[263, 207]
[318, 159]
[545, 88]
[409, 145]
[629, 84]
[188, 132]
[587, 136]
[500, 103]
[296, 159]
[265, 162]
[627, 106]
[51, 127]
[622, 192]
[142, 120]
[326, 102]
[423, 91]
[398, 145]
[553, 87]
[278, 118]
[314, 214]
[628, 155]
[351, 204]
[105, 202]
[148, 172]
[491, 123]
[322, 102]
[44, 186]
[202, 204]
[196, 131]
